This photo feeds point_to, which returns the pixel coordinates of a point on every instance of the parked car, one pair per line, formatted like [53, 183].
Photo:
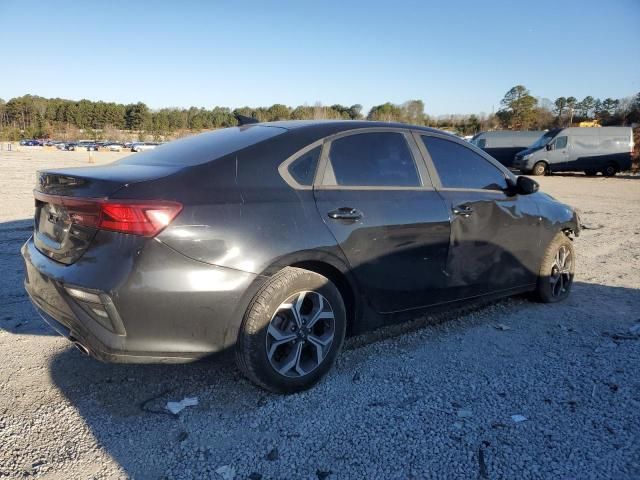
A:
[276, 239]
[30, 143]
[70, 146]
[592, 150]
[87, 145]
[503, 145]
[114, 147]
[142, 146]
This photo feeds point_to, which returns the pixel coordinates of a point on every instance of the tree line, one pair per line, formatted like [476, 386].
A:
[32, 116]
[522, 111]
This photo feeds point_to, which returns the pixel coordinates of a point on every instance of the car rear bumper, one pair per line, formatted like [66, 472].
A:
[74, 330]
[169, 308]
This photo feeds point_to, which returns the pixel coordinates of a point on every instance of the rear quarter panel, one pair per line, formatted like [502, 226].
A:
[239, 213]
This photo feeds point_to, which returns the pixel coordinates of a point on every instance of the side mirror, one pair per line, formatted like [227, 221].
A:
[526, 185]
[549, 146]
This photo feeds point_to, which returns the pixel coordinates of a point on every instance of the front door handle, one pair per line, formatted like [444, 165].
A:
[463, 210]
[345, 213]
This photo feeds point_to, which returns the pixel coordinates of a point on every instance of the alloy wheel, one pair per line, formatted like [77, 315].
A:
[561, 277]
[539, 168]
[300, 334]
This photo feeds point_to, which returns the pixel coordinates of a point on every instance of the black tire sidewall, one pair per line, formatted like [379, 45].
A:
[544, 290]
[539, 169]
[252, 337]
[610, 170]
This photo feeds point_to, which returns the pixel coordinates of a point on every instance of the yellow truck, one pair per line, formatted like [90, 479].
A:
[589, 123]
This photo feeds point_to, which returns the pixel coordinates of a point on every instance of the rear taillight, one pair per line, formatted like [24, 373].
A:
[146, 219]
[136, 217]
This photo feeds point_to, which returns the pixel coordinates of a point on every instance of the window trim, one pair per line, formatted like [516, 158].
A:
[283, 168]
[325, 166]
[435, 177]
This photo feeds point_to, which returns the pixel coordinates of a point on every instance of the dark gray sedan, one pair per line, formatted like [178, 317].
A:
[277, 239]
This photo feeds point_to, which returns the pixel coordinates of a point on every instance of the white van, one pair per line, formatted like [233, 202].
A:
[591, 150]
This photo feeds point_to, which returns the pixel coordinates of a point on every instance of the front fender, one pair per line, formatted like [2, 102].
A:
[557, 217]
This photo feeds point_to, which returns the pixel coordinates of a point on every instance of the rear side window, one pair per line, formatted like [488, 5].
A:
[204, 147]
[380, 159]
[303, 169]
[460, 167]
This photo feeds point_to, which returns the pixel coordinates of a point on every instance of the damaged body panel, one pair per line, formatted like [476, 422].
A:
[158, 256]
[495, 247]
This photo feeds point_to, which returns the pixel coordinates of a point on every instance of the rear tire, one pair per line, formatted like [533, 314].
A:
[292, 331]
[539, 169]
[610, 170]
[590, 172]
[555, 277]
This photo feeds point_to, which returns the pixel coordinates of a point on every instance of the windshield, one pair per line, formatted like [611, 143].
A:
[476, 139]
[544, 139]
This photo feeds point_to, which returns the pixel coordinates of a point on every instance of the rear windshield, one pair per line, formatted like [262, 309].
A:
[204, 147]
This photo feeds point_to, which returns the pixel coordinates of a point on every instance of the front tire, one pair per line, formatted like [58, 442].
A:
[292, 331]
[555, 278]
[539, 169]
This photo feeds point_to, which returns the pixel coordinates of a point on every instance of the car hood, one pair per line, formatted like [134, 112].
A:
[528, 151]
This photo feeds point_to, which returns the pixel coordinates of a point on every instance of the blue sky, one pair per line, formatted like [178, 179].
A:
[458, 56]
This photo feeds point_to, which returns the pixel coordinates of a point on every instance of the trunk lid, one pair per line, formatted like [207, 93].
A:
[59, 196]
[100, 181]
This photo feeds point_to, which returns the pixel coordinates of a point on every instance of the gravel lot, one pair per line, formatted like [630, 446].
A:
[435, 400]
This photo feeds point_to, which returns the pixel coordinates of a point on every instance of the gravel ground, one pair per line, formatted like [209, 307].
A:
[435, 399]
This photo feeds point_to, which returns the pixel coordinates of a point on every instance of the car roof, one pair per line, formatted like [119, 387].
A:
[598, 131]
[509, 133]
[343, 125]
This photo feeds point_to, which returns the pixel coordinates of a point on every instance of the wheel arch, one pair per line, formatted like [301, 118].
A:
[321, 262]
[336, 269]
[341, 280]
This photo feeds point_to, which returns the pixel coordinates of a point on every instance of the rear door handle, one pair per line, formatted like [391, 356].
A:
[345, 213]
[463, 210]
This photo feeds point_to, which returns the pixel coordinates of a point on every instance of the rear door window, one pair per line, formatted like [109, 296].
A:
[460, 167]
[377, 159]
